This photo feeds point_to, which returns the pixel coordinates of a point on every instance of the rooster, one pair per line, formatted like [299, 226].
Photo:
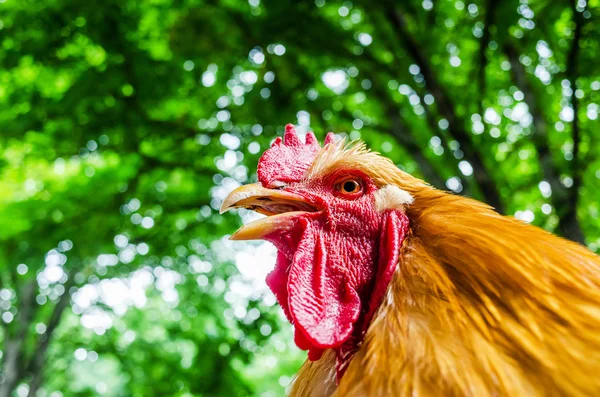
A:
[396, 288]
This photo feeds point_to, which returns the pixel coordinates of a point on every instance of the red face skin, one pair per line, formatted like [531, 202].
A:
[334, 266]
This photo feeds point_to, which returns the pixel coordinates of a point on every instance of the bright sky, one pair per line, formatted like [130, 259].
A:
[254, 260]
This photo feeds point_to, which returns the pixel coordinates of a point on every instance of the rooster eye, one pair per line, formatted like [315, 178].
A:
[349, 186]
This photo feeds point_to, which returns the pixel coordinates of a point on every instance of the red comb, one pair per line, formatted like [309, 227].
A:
[288, 159]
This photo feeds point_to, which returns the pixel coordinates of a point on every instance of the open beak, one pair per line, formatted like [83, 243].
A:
[281, 207]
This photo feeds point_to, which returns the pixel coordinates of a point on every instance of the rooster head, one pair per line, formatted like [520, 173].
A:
[338, 232]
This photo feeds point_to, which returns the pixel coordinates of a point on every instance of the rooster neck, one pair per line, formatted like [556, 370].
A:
[480, 305]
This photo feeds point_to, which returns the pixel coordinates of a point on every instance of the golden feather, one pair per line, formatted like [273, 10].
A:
[480, 305]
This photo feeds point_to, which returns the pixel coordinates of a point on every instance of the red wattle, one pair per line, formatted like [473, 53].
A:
[277, 281]
[329, 283]
[322, 303]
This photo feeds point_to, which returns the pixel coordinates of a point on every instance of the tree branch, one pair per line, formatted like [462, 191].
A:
[399, 131]
[483, 44]
[568, 223]
[36, 364]
[446, 108]
[13, 350]
[572, 74]
[433, 125]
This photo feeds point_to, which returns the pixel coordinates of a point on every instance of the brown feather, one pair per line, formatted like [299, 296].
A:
[481, 305]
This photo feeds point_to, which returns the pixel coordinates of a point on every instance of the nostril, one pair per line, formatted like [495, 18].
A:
[277, 185]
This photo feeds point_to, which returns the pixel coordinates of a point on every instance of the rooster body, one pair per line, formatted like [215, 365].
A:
[476, 304]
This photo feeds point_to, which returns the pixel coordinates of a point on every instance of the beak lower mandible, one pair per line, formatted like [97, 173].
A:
[260, 228]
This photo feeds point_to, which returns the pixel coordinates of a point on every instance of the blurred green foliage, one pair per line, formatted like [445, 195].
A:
[125, 123]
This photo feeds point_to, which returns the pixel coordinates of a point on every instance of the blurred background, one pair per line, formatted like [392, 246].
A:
[123, 124]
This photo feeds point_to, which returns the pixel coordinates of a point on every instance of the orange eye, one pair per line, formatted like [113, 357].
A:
[349, 186]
